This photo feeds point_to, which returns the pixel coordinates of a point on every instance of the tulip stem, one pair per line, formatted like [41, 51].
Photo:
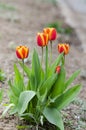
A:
[51, 52]
[46, 61]
[23, 67]
[42, 56]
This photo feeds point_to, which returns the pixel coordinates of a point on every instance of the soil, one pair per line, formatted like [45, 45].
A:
[20, 20]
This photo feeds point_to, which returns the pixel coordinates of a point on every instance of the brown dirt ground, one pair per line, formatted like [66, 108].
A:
[19, 26]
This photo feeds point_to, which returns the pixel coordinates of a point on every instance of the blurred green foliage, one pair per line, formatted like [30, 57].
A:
[9, 7]
[60, 27]
[2, 76]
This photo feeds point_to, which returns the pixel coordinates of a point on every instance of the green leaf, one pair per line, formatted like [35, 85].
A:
[54, 117]
[56, 63]
[1, 95]
[70, 80]
[13, 89]
[24, 99]
[26, 69]
[58, 87]
[67, 97]
[47, 85]
[18, 81]
[2, 76]
[7, 109]
[36, 69]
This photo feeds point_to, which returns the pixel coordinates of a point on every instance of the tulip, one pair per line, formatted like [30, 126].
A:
[42, 39]
[58, 69]
[63, 48]
[52, 33]
[22, 52]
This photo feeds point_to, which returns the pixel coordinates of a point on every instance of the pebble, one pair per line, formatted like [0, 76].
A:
[83, 74]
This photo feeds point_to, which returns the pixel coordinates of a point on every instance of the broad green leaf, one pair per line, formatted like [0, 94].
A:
[47, 85]
[18, 80]
[24, 99]
[26, 69]
[27, 116]
[13, 89]
[58, 87]
[70, 80]
[36, 69]
[56, 63]
[54, 117]
[2, 76]
[67, 97]
[7, 109]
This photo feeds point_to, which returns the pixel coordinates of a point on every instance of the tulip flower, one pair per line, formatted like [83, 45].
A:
[42, 39]
[58, 69]
[22, 52]
[52, 33]
[63, 48]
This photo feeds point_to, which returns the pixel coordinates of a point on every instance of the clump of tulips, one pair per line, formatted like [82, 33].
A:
[47, 90]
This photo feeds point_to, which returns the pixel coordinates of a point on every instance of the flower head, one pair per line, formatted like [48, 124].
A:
[42, 39]
[22, 52]
[63, 48]
[52, 33]
[58, 69]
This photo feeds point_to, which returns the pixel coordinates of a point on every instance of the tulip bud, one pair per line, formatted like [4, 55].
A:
[52, 33]
[63, 48]
[42, 39]
[58, 69]
[22, 52]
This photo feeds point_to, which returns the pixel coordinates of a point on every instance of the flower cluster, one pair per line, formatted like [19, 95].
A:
[46, 92]
[48, 34]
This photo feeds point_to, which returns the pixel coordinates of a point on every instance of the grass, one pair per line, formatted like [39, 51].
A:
[2, 76]
[8, 7]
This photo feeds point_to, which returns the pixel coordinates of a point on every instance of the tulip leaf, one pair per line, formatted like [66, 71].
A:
[54, 117]
[7, 109]
[70, 80]
[47, 85]
[64, 99]
[58, 87]
[36, 69]
[56, 63]
[18, 81]
[26, 69]
[24, 98]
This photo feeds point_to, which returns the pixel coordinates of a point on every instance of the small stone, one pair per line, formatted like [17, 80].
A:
[83, 74]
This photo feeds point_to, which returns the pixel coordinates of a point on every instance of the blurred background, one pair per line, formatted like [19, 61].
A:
[21, 20]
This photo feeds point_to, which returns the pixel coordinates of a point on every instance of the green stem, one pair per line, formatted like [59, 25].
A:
[51, 52]
[42, 56]
[46, 61]
[63, 59]
[23, 67]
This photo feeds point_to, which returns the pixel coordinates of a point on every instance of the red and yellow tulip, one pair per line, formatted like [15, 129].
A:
[42, 39]
[22, 52]
[52, 33]
[63, 48]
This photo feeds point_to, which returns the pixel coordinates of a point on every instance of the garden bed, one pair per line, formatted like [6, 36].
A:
[20, 22]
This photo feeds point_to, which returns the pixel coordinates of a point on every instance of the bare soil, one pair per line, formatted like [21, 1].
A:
[20, 20]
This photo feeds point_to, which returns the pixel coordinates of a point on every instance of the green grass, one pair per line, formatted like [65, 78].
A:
[8, 7]
[2, 76]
